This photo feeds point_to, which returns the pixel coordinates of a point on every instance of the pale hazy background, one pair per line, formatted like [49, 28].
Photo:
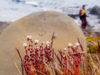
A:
[12, 10]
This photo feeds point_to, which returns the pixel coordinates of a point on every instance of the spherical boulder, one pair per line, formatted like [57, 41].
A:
[40, 25]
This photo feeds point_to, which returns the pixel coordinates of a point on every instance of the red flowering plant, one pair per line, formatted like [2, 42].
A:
[41, 59]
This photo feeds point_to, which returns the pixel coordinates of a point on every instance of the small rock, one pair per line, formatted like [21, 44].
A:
[95, 11]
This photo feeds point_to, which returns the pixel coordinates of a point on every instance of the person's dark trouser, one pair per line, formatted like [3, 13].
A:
[84, 23]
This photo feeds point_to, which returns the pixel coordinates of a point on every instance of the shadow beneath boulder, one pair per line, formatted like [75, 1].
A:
[3, 25]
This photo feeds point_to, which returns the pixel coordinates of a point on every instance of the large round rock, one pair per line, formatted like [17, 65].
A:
[40, 25]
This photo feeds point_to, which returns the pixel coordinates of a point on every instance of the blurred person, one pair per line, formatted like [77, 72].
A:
[82, 15]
